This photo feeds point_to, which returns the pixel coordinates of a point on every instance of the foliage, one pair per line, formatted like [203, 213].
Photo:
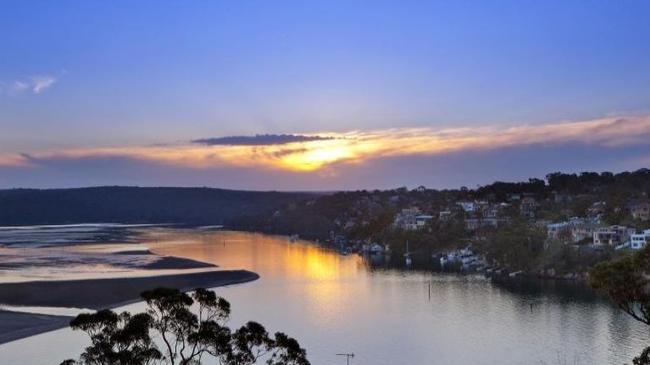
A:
[565, 258]
[185, 335]
[516, 246]
[138, 205]
[625, 281]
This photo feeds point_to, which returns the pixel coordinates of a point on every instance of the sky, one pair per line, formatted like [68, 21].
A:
[320, 95]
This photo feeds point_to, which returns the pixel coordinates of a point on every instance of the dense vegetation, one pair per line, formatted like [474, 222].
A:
[626, 282]
[367, 216]
[137, 205]
[169, 332]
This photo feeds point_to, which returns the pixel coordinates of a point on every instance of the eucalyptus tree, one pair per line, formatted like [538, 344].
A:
[626, 282]
[181, 329]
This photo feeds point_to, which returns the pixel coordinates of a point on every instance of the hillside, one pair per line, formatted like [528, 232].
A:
[138, 205]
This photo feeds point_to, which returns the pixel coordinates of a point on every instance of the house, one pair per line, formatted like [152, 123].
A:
[575, 229]
[640, 210]
[444, 215]
[562, 197]
[582, 228]
[422, 220]
[494, 210]
[558, 230]
[472, 224]
[528, 207]
[411, 219]
[514, 197]
[612, 236]
[596, 210]
[481, 205]
[639, 240]
[468, 207]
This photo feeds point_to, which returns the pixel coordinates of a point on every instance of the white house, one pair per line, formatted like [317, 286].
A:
[468, 206]
[422, 220]
[639, 240]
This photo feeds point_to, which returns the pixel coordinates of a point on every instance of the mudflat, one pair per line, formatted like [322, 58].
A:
[93, 294]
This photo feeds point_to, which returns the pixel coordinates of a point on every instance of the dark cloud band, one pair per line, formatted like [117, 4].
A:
[259, 140]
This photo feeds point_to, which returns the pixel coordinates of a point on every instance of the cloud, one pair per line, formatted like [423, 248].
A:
[331, 152]
[33, 85]
[41, 83]
[259, 140]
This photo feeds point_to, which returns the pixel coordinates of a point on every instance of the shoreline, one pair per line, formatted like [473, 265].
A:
[94, 294]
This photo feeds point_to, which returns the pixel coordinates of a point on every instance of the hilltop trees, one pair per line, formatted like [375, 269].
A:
[185, 336]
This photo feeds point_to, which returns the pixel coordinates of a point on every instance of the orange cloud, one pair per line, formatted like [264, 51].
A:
[360, 146]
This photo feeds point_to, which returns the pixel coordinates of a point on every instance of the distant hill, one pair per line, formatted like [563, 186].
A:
[138, 205]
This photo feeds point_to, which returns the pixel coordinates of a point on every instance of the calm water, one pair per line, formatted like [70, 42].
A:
[335, 303]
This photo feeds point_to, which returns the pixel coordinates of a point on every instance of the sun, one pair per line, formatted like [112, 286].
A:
[316, 155]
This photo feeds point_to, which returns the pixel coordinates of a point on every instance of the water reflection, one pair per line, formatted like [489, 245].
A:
[336, 303]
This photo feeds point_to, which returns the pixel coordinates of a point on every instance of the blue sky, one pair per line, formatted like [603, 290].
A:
[85, 75]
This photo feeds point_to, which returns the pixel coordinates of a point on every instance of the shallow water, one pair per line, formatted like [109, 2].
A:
[335, 304]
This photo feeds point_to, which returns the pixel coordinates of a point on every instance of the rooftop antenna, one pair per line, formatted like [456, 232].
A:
[347, 357]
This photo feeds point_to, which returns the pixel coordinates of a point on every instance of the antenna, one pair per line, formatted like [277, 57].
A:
[347, 357]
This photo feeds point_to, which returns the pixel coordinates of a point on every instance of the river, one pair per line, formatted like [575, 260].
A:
[336, 304]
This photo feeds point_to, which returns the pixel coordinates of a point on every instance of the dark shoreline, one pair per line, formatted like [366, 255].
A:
[93, 294]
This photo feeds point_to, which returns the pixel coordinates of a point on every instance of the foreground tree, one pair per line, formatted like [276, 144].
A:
[626, 282]
[187, 328]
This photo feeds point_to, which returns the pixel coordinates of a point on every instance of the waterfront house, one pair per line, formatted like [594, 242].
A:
[575, 229]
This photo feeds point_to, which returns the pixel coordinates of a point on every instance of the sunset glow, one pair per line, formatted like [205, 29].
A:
[358, 147]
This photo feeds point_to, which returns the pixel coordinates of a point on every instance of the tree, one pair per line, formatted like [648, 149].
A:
[625, 281]
[516, 245]
[184, 335]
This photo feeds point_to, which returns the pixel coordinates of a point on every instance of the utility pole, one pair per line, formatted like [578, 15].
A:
[347, 357]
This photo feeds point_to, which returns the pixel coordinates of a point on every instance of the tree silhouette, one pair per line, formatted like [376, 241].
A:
[187, 328]
[626, 282]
